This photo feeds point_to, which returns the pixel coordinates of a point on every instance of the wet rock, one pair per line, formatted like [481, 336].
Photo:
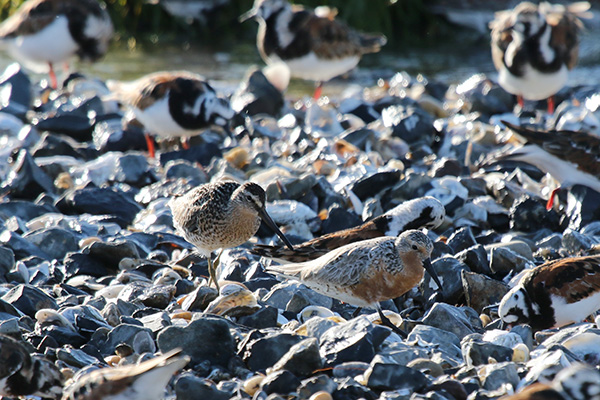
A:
[77, 126]
[16, 92]
[190, 387]
[266, 317]
[481, 291]
[426, 335]
[355, 340]
[131, 168]
[20, 246]
[475, 257]
[382, 376]
[575, 242]
[450, 318]
[26, 180]
[25, 210]
[410, 123]
[495, 375]
[56, 242]
[199, 299]
[128, 334]
[445, 166]
[7, 260]
[461, 239]
[448, 269]
[281, 382]
[202, 154]
[301, 359]
[504, 261]
[318, 383]
[529, 215]
[349, 389]
[207, 338]
[29, 299]
[263, 353]
[368, 187]
[484, 96]
[98, 201]
[477, 353]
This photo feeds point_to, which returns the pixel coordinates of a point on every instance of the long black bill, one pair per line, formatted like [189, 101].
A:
[429, 268]
[267, 219]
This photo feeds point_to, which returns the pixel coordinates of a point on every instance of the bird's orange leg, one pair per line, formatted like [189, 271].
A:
[520, 100]
[318, 91]
[550, 202]
[150, 145]
[550, 101]
[53, 81]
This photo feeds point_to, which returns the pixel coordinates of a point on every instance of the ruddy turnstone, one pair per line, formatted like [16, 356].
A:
[424, 212]
[42, 33]
[144, 381]
[221, 215]
[173, 104]
[534, 47]
[570, 157]
[367, 272]
[22, 374]
[554, 294]
[576, 382]
[314, 45]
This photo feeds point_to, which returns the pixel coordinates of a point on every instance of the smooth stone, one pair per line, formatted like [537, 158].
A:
[109, 135]
[281, 382]
[84, 264]
[339, 218]
[410, 123]
[264, 352]
[301, 359]
[51, 145]
[477, 353]
[450, 318]
[131, 168]
[446, 166]
[199, 299]
[75, 357]
[201, 154]
[348, 388]
[256, 95]
[481, 290]
[7, 260]
[553, 241]
[349, 369]
[25, 210]
[382, 376]
[281, 294]
[111, 253]
[355, 340]
[56, 242]
[157, 296]
[461, 239]
[207, 338]
[575, 242]
[400, 353]
[369, 186]
[156, 322]
[124, 333]
[475, 257]
[190, 387]
[29, 299]
[318, 383]
[445, 343]
[185, 170]
[518, 246]
[77, 126]
[26, 180]
[448, 270]
[100, 201]
[265, 317]
[504, 261]
[18, 98]
[317, 326]
[497, 374]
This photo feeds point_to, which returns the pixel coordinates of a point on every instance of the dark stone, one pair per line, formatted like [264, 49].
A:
[84, 264]
[123, 334]
[7, 260]
[370, 186]
[529, 215]
[486, 97]
[53, 145]
[199, 299]
[190, 387]
[355, 340]
[350, 389]
[17, 91]
[207, 338]
[265, 317]
[583, 206]
[410, 123]
[24, 210]
[263, 353]
[461, 239]
[157, 296]
[315, 384]
[64, 336]
[77, 126]
[382, 376]
[256, 95]
[21, 248]
[446, 166]
[448, 269]
[481, 291]
[56, 242]
[26, 180]
[478, 353]
[281, 382]
[202, 154]
[132, 169]
[100, 201]
[302, 359]
[339, 218]
[449, 318]
[29, 299]
[475, 257]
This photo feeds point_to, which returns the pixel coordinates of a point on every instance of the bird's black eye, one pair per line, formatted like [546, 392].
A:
[414, 247]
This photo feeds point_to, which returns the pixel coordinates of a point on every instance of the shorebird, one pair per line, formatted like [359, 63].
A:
[173, 104]
[312, 44]
[554, 294]
[534, 47]
[423, 212]
[570, 157]
[189, 10]
[367, 272]
[144, 381]
[576, 382]
[22, 374]
[221, 215]
[42, 33]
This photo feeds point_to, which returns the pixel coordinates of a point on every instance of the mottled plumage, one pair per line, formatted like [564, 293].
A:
[424, 212]
[221, 215]
[144, 381]
[315, 47]
[46, 32]
[554, 294]
[533, 47]
[22, 374]
[576, 382]
[366, 272]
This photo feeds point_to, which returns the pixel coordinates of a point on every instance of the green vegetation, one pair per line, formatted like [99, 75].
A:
[136, 21]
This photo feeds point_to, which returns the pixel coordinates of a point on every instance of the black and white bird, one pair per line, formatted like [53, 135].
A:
[312, 44]
[23, 374]
[423, 212]
[575, 382]
[42, 33]
[554, 294]
[534, 47]
[171, 104]
[144, 381]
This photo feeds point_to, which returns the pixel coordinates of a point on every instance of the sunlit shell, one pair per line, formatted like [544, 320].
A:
[234, 300]
[314, 311]
[251, 385]
[47, 316]
[395, 318]
[520, 353]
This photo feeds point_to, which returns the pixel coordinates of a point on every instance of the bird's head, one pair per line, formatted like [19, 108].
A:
[514, 306]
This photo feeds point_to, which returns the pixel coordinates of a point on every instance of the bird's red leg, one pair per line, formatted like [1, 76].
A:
[520, 100]
[550, 101]
[53, 81]
[550, 202]
[150, 145]
[185, 143]
[318, 91]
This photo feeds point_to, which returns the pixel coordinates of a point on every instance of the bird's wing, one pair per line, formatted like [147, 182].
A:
[566, 25]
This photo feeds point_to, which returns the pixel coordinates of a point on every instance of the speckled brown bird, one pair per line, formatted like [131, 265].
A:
[22, 374]
[221, 215]
[314, 45]
[554, 294]
[144, 381]
[367, 272]
[42, 33]
[423, 212]
[534, 46]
